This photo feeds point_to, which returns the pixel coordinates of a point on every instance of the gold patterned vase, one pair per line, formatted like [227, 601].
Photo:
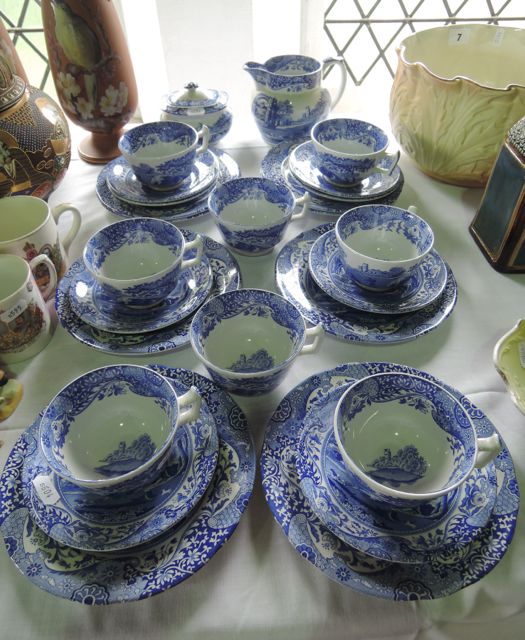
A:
[35, 146]
[92, 70]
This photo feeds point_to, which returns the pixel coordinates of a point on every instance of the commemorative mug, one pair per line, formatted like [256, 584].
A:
[28, 227]
[25, 325]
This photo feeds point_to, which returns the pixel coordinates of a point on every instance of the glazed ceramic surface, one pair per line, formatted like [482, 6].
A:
[228, 169]
[124, 183]
[382, 245]
[138, 262]
[444, 573]
[248, 339]
[346, 151]
[406, 440]
[411, 535]
[456, 93]
[373, 189]
[90, 303]
[78, 518]
[296, 284]
[290, 98]
[226, 277]
[302, 164]
[509, 360]
[252, 213]
[197, 107]
[112, 428]
[143, 571]
[330, 274]
[162, 154]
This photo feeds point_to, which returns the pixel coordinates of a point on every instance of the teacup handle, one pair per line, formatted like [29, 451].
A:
[189, 406]
[43, 259]
[305, 201]
[204, 134]
[75, 224]
[488, 449]
[192, 262]
[330, 62]
[312, 332]
[394, 157]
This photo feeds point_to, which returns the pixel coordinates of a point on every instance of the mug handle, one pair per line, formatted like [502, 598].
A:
[192, 262]
[488, 449]
[330, 62]
[305, 201]
[189, 406]
[204, 134]
[75, 224]
[394, 157]
[316, 332]
[43, 259]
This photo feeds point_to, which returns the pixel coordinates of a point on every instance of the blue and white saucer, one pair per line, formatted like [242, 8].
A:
[296, 284]
[143, 571]
[409, 535]
[227, 168]
[330, 274]
[94, 307]
[303, 165]
[275, 166]
[445, 573]
[126, 186]
[86, 520]
[226, 277]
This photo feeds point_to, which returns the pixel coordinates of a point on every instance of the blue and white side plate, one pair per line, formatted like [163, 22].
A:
[94, 307]
[408, 535]
[331, 275]
[302, 164]
[275, 166]
[227, 168]
[123, 182]
[445, 572]
[153, 567]
[296, 284]
[226, 277]
[89, 521]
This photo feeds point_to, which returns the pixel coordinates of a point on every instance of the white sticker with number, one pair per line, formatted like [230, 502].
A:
[521, 351]
[13, 312]
[46, 489]
[458, 36]
[498, 37]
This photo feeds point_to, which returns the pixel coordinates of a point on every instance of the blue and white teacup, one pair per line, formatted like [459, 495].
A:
[248, 338]
[137, 262]
[348, 150]
[406, 440]
[381, 245]
[111, 429]
[252, 213]
[162, 154]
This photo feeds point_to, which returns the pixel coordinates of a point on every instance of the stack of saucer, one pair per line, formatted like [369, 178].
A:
[114, 514]
[372, 527]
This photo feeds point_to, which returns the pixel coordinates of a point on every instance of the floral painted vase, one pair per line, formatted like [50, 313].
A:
[92, 70]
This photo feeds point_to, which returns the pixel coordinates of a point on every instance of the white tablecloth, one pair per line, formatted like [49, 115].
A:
[257, 586]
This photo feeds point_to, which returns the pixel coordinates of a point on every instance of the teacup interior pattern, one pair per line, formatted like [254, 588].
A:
[406, 435]
[352, 137]
[156, 141]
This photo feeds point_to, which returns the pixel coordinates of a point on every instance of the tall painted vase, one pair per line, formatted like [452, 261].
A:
[92, 70]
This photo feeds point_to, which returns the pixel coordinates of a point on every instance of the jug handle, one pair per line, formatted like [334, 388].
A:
[329, 63]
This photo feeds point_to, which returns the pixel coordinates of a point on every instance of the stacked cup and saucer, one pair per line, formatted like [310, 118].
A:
[166, 170]
[345, 162]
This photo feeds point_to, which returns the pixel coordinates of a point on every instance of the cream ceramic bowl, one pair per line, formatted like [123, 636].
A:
[457, 91]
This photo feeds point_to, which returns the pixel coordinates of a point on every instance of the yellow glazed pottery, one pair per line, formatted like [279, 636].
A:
[457, 91]
[509, 360]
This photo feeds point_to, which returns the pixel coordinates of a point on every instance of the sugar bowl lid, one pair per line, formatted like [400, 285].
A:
[194, 100]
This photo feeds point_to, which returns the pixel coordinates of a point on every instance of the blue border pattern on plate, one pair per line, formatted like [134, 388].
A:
[445, 573]
[228, 169]
[151, 568]
[297, 285]
[396, 535]
[226, 277]
[89, 521]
